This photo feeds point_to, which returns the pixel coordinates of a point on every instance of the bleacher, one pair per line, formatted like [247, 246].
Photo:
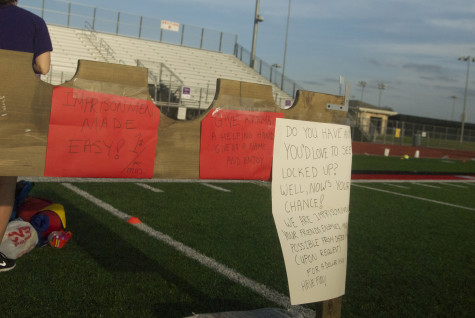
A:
[193, 68]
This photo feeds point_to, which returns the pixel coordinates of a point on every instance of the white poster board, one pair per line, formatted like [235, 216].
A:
[310, 203]
[170, 25]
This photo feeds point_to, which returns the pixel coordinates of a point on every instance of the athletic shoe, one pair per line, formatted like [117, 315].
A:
[6, 264]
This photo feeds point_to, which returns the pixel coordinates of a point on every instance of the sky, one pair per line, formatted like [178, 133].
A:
[412, 46]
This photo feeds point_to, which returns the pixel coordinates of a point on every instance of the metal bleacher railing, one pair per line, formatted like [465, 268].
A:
[101, 46]
[93, 19]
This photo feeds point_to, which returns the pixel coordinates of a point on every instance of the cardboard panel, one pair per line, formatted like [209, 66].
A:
[178, 149]
[244, 96]
[312, 106]
[114, 79]
[24, 115]
[25, 103]
[178, 144]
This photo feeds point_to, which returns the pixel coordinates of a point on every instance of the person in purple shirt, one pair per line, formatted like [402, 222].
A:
[20, 30]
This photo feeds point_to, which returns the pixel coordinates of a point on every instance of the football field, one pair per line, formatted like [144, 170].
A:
[207, 247]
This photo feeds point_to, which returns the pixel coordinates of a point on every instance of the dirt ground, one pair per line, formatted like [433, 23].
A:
[361, 148]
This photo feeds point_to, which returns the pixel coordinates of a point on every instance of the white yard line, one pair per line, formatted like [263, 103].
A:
[264, 291]
[425, 185]
[146, 186]
[395, 185]
[417, 198]
[468, 177]
[264, 184]
[453, 185]
[215, 187]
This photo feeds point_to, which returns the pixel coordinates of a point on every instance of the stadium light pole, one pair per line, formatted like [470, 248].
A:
[362, 84]
[285, 47]
[381, 87]
[467, 59]
[453, 107]
[257, 19]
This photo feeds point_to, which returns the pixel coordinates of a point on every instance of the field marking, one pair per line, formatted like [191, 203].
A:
[146, 186]
[126, 180]
[215, 187]
[395, 185]
[417, 198]
[425, 185]
[453, 185]
[264, 184]
[264, 291]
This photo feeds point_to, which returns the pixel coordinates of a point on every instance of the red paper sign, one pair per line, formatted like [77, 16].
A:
[237, 145]
[100, 135]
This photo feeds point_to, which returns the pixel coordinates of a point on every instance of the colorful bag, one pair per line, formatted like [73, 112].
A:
[45, 216]
[20, 238]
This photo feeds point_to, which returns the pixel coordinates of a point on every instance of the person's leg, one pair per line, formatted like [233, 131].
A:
[7, 199]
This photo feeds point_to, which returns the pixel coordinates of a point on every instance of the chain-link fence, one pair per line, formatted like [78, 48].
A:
[270, 72]
[416, 134]
[92, 19]
[75, 15]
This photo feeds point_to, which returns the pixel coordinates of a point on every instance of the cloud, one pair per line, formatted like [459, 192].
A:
[454, 24]
[332, 80]
[430, 72]
[374, 62]
[443, 78]
[424, 49]
[423, 68]
[316, 83]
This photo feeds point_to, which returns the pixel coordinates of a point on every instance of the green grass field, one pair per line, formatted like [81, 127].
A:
[412, 165]
[407, 257]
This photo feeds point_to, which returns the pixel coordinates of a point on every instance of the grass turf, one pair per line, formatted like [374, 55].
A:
[406, 257]
[420, 165]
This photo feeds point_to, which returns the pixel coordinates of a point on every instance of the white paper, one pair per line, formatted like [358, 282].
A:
[310, 203]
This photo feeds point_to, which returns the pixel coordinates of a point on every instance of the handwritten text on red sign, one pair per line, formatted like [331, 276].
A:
[100, 135]
[237, 144]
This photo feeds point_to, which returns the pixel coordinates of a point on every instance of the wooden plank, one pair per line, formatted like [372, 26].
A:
[329, 309]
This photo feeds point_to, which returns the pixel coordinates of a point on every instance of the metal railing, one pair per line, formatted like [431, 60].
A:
[168, 91]
[164, 84]
[57, 77]
[101, 46]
